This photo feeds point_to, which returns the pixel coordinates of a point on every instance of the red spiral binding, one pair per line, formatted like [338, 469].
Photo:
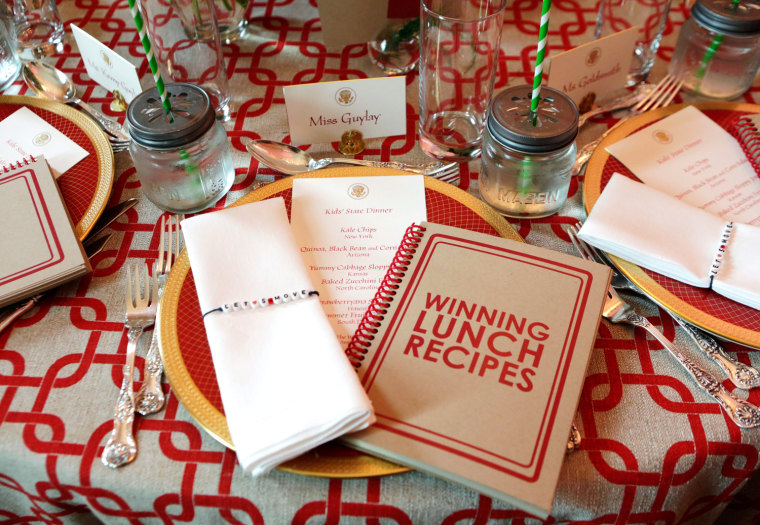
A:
[745, 131]
[377, 309]
[17, 164]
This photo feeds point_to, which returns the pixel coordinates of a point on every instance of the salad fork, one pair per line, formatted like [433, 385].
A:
[150, 397]
[744, 414]
[141, 304]
[660, 96]
[742, 375]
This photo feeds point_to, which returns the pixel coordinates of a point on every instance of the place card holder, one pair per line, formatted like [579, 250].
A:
[746, 130]
[351, 142]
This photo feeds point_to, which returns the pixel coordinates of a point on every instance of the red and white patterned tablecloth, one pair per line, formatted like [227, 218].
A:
[655, 449]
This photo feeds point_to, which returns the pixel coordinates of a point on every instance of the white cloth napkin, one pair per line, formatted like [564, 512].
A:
[651, 229]
[286, 384]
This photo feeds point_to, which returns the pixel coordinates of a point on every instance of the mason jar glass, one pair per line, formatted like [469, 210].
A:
[527, 158]
[182, 158]
[718, 49]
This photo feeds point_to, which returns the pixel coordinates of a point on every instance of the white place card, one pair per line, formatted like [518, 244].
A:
[106, 67]
[23, 134]
[595, 68]
[347, 230]
[689, 156]
[322, 112]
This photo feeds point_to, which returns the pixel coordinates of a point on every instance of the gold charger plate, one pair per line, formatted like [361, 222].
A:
[176, 324]
[704, 308]
[86, 186]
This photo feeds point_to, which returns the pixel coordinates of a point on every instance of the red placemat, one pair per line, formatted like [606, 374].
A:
[187, 356]
[86, 185]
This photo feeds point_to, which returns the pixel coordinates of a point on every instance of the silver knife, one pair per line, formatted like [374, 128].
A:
[106, 218]
[95, 246]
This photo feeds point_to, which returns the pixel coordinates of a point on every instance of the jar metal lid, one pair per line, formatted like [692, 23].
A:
[510, 121]
[192, 115]
[726, 16]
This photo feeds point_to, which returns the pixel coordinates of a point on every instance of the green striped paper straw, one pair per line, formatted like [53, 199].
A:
[714, 45]
[710, 53]
[526, 175]
[540, 51]
[149, 55]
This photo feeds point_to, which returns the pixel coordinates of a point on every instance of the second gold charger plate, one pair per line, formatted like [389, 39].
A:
[700, 306]
[86, 186]
[185, 351]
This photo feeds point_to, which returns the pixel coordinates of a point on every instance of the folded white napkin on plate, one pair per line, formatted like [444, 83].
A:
[286, 384]
[661, 233]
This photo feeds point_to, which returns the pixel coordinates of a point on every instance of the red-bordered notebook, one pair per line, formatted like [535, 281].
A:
[40, 250]
[473, 353]
[746, 130]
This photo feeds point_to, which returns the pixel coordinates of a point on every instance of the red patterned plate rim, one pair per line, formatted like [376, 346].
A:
[704, 308]
[93, 174]
[330, 460]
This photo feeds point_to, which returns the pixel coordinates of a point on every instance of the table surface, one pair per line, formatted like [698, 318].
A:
[655, 449]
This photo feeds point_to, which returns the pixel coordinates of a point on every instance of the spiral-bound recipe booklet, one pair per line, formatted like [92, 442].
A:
[37, 241]
[747, 131]
[473, 353]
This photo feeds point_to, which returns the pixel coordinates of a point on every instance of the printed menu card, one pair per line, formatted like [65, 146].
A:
[26, 135]
[347, 230]
[691, 157]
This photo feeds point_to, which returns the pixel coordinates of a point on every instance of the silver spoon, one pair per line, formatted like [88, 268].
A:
[292, 161]
[47, 81]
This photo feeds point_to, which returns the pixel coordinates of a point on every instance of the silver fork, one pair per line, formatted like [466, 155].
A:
[119, 146]
[141, 303]
[626, 101]
[742, 375]
[744, 414]
[150, 397]
[660, 96]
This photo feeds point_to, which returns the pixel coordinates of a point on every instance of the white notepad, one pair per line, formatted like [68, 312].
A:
[37, 241]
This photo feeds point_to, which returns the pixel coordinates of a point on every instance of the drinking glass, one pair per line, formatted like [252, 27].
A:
[187, 46]
[231, 18]
[459, 49]
[396, 49]
[649, 15]
[38, 28]
[10, 65]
